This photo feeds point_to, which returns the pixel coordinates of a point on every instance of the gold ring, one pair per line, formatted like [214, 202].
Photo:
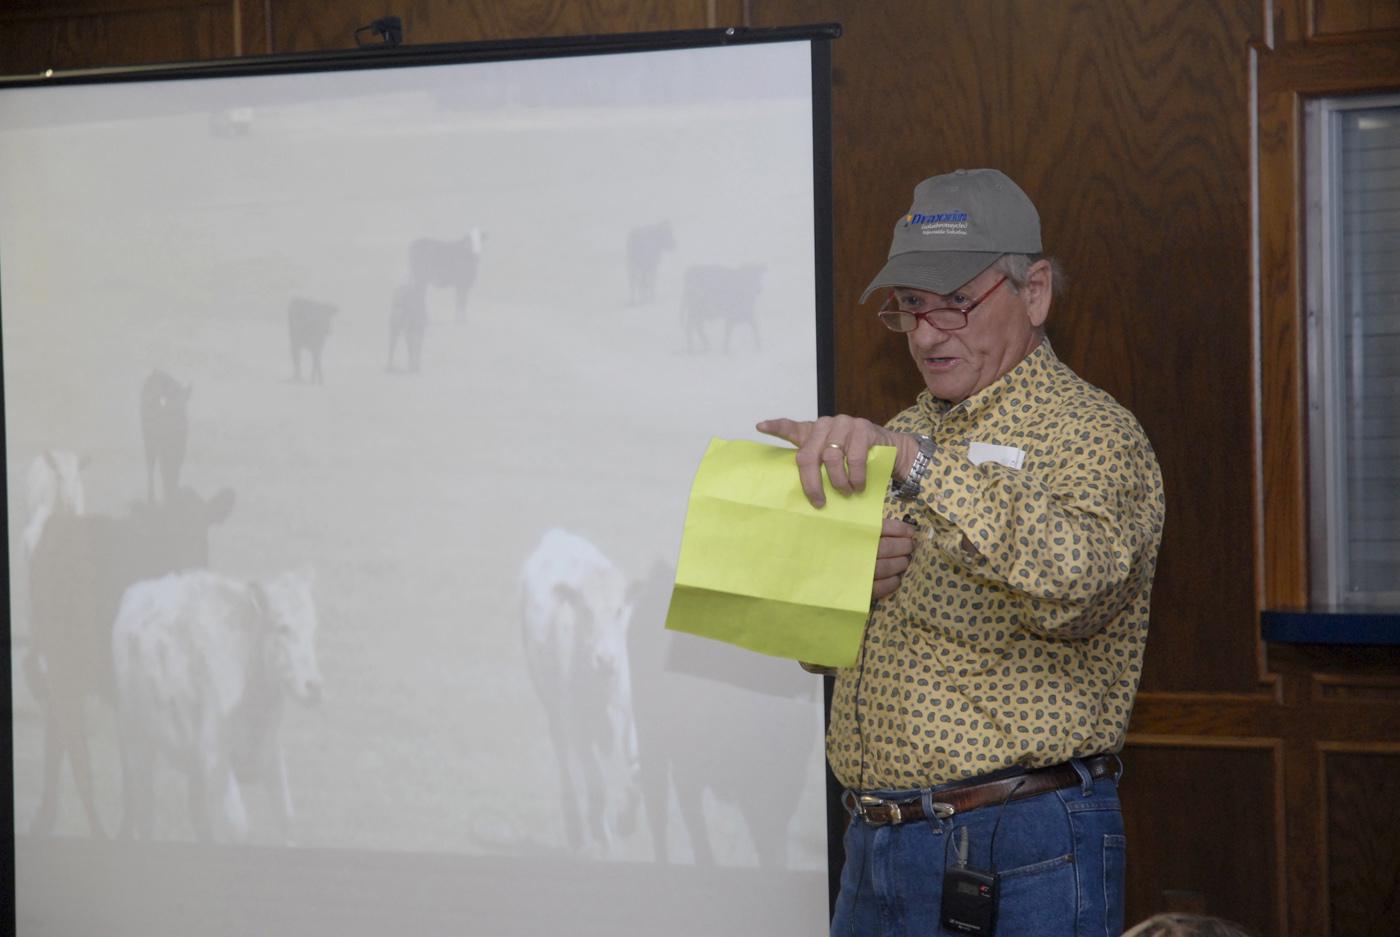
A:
[835, 445]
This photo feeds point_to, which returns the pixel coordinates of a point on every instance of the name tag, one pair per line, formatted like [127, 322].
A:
[1009, 456]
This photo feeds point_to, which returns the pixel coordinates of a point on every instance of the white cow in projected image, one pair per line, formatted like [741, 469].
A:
[203, 664]
[576, 615]
[53, 485]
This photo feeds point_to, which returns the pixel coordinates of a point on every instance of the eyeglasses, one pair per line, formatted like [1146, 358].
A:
[944, 318]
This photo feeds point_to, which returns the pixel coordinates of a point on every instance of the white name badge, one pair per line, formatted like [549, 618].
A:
[1009, 456]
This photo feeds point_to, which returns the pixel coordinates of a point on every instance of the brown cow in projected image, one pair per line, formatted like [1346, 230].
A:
[576, 612]
[79, 570]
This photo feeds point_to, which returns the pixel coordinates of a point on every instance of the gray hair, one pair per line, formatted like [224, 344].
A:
[1017, 269]
[1178, 924]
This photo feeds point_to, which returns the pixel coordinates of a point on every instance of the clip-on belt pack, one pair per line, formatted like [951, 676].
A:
[970, 896]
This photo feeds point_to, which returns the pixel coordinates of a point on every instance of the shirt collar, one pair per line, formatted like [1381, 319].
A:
[1031, 378]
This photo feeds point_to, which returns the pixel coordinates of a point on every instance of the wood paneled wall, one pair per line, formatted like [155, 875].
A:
[1160, 140]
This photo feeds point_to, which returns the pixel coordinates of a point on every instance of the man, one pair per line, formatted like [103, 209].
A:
[976, 732]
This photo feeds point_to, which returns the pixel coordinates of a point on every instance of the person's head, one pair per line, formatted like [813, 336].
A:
[970, 241]
[1180, 924]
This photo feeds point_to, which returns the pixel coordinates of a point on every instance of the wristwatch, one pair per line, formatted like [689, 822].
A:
[910, 486]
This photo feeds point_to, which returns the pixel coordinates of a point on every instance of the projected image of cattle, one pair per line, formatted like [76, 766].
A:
[646, 245]
[507, 325]
[203, 665]
[408, 320]
[308, 326]
[79, 571]
[715, 686]
[53, 484]
[164, 430]
[576, 614]
[727, 295]
[447, 264]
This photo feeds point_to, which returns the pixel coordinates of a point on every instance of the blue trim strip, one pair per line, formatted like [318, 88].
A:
[1331, 627]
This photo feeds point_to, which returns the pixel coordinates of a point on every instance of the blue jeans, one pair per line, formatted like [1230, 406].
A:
[1059, 856]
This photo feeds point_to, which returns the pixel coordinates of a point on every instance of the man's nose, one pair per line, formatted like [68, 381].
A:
[926, 333]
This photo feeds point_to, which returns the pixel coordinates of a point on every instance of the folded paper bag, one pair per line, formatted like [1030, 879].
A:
[763, 569]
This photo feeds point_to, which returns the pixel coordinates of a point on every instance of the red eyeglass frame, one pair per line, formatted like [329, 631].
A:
[887, 313]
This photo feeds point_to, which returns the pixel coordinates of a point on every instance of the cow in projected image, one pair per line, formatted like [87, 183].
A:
[720, 294]
[164, 430]
[450, 264]
[80, 568]
[308, 326]
[408, 320]
[693, 731]
[203, 664]
[576, 614]
[645, 246]
[53, 484]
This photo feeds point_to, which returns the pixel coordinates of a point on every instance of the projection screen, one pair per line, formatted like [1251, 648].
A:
[351, 408]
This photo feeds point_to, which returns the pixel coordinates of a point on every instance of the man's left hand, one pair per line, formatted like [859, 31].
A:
[897, 542]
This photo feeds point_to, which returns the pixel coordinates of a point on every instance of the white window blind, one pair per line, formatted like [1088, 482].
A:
[1354, 349]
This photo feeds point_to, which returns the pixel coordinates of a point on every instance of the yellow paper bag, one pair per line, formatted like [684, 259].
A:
[763, 569]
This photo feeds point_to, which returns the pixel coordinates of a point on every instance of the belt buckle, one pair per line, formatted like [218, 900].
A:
[941, 810]
[865, 801]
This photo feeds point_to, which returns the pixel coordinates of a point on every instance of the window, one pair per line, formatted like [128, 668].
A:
[1353, 335]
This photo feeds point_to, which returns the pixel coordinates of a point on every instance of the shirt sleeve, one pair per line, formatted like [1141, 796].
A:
[1073, 532]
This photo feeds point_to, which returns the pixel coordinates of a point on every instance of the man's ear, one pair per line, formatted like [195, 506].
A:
[1038, 291]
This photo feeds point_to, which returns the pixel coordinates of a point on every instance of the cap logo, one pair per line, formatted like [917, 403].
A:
[948, 222]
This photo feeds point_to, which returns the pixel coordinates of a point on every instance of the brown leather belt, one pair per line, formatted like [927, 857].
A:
[972, 794]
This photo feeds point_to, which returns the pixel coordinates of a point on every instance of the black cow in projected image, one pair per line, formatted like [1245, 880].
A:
[712, 293]
[408, 320]
[80, 569]
[164, 430]
[203, 664]
[308, 325]
[645, 246]
[717, 691]
[448, 264]
[576, 612]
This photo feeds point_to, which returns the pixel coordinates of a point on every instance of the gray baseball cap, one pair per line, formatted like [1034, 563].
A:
[958, 226]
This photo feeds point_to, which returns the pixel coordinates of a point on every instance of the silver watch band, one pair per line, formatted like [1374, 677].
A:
[910, 486]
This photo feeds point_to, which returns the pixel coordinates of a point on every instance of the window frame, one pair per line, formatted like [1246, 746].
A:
[1325, 348]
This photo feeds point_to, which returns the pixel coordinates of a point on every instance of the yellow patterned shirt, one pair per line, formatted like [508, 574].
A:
[1016, 636]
